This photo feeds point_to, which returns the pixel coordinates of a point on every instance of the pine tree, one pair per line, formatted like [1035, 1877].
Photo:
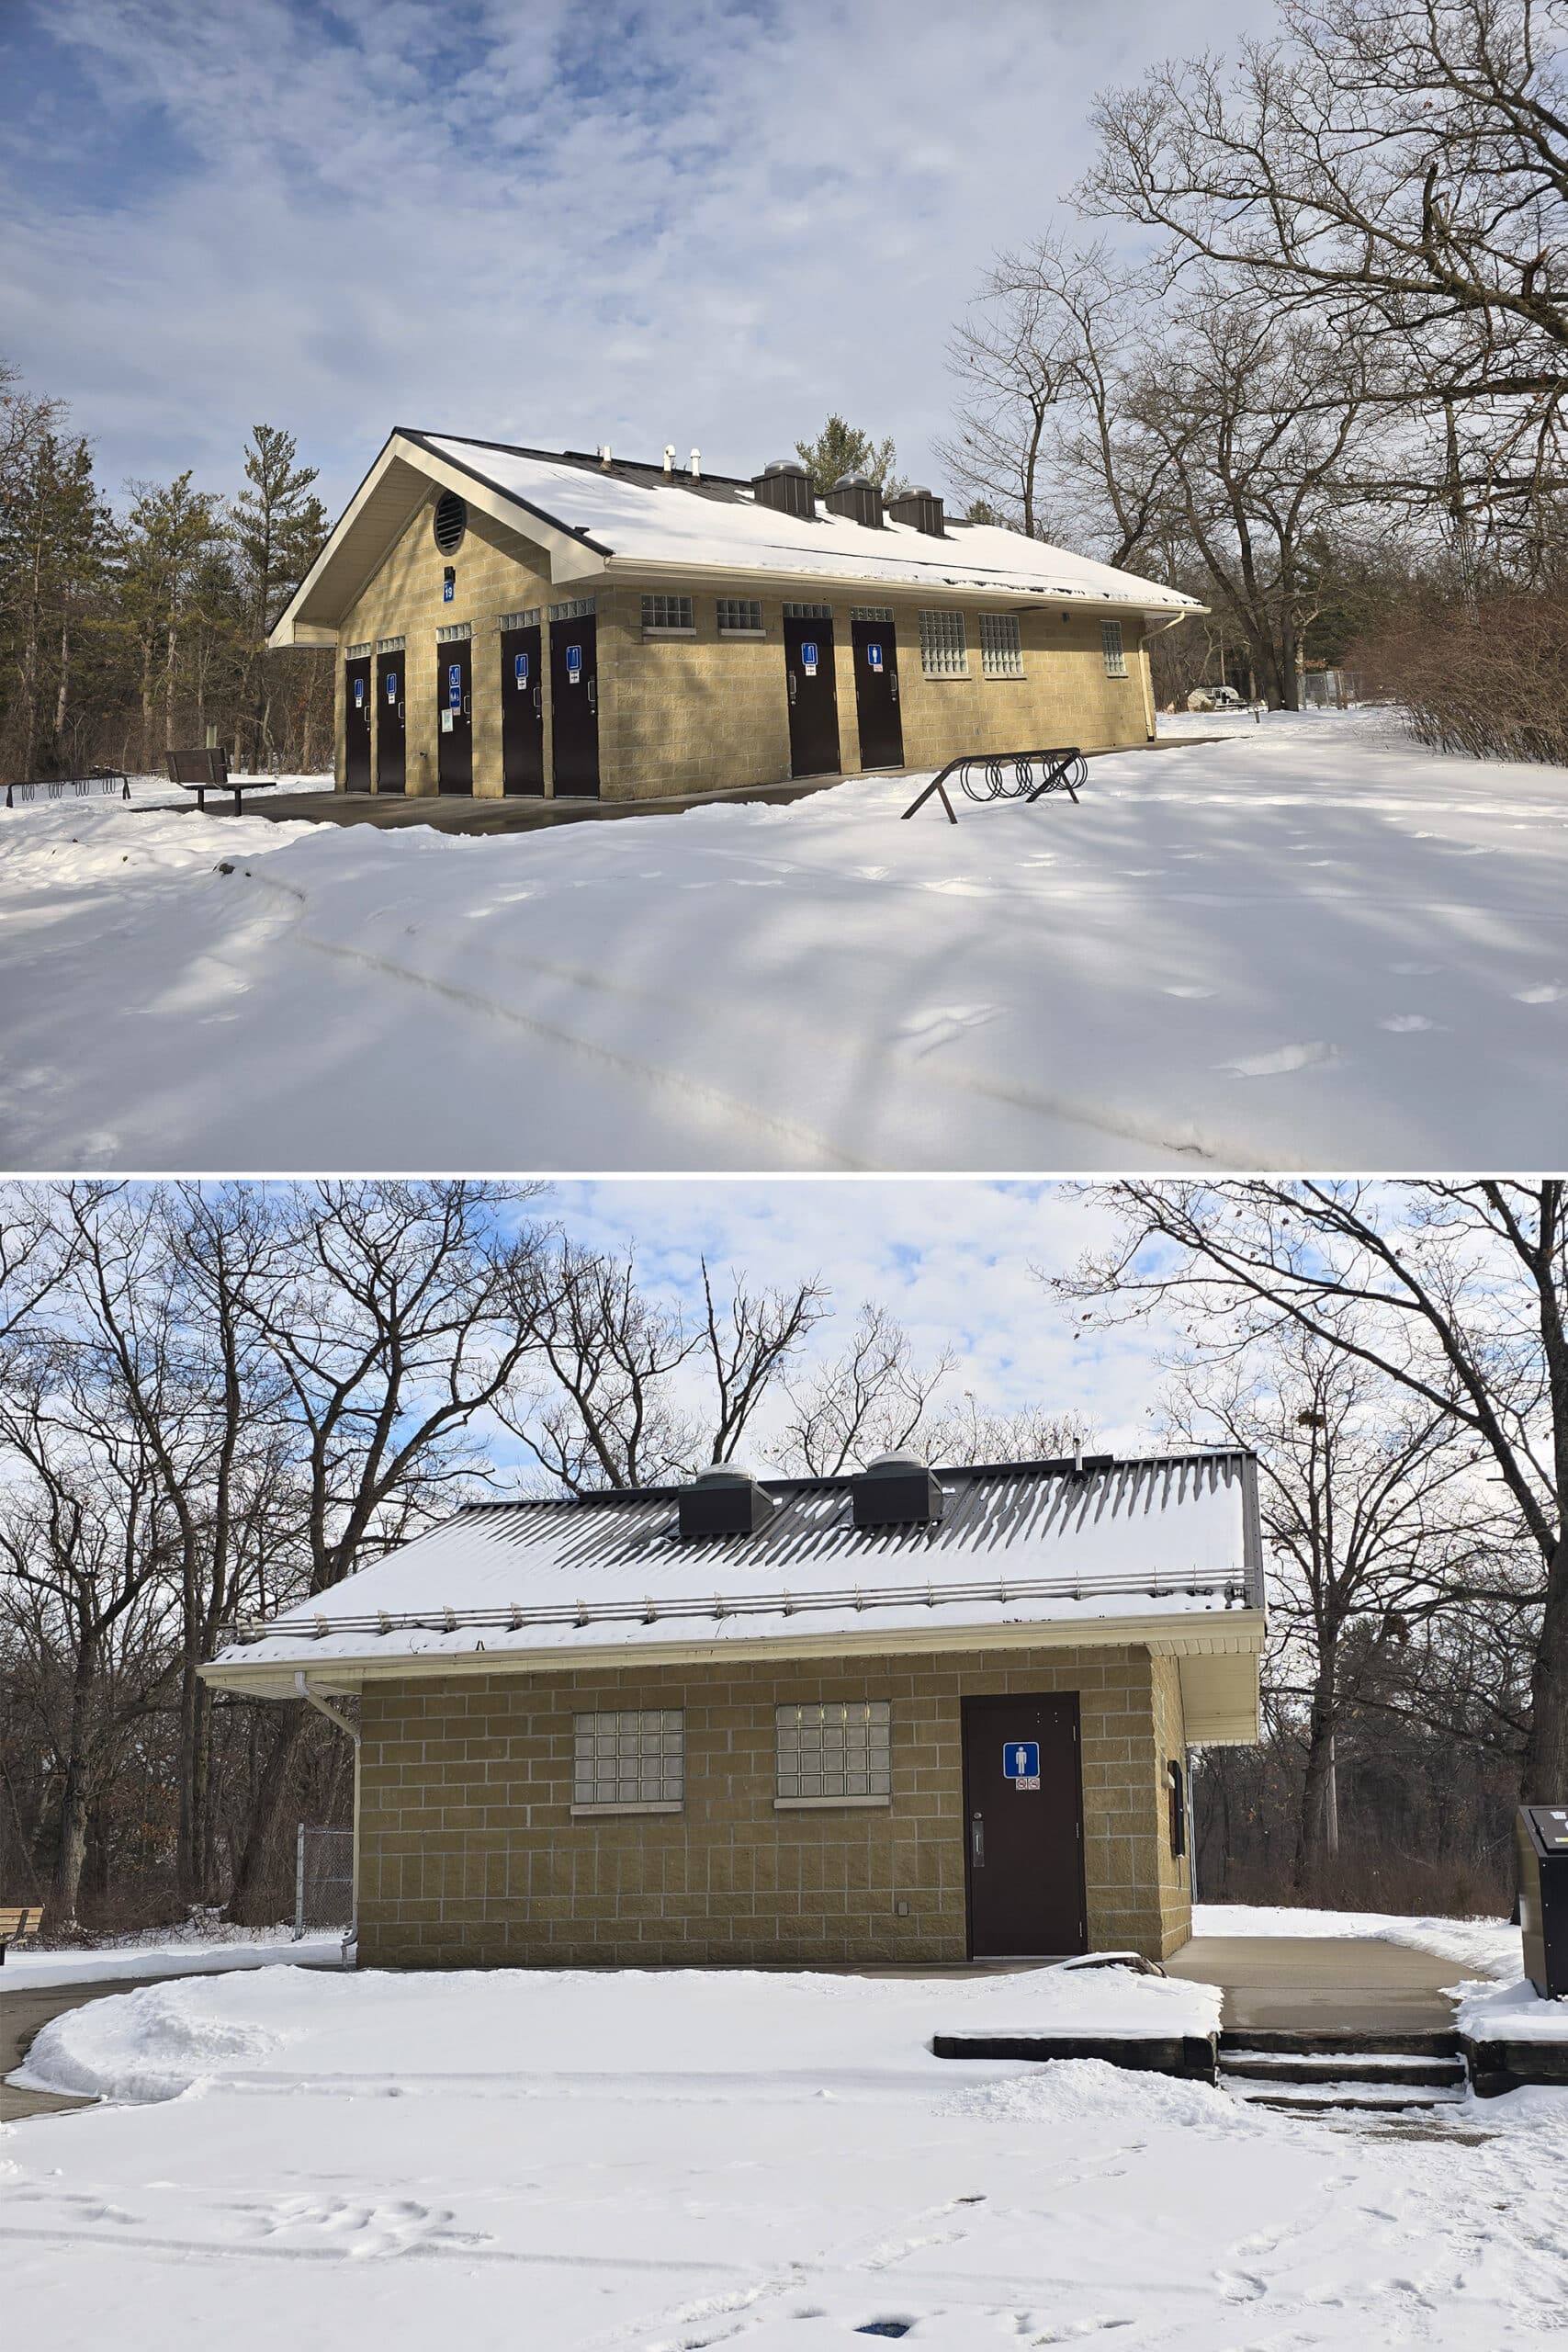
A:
[840, 448]
[279, 527]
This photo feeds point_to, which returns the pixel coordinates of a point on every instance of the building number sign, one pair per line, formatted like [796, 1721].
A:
[1020, 1763]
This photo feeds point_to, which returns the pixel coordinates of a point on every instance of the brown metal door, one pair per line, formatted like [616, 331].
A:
[391, 731]
[574, 706]
[876, 695]
[356, 726]
[521, 711]
[1024, 1828]
[813, 697]
[454, 697]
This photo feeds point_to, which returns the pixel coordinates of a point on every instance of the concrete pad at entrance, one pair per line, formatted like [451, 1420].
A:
[1320, 1984]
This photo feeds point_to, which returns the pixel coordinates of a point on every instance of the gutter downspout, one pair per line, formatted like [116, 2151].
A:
[340, 1723]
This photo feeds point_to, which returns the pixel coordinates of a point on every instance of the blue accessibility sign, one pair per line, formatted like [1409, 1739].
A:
[1021, 1759]
[874, 655]
[573, 664]
[520, 668]
[454, 685]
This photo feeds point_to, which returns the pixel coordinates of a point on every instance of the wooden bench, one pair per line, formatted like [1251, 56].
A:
[19, 1927]
[204, 771]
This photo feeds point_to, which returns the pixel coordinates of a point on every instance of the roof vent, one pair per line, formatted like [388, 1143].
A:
[725, 1501]
[856, 496]
[898, 1490]
[919, 509]
[451, 522]
[784, 485]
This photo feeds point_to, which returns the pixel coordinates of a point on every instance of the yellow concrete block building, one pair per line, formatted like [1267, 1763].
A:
[901, 1715]
[554, 624]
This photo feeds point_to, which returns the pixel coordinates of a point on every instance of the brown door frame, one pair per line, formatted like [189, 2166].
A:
[997, 1704]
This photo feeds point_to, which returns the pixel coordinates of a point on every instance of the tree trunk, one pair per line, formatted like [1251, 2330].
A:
[1544, 1779]
[1319, 1796]
[247, 1903]
[75, 1792]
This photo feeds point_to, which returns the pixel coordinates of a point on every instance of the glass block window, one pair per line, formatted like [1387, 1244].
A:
[630, 1759]
[739, 616]
[1001, 649]
[529, 619]
[882, 613]
[842, 1750]
[667, 612]
[357, 652]
[455, 633]
[809, 612]
[576, 608]
[389, 644]
[1115, 659]
[943, 653]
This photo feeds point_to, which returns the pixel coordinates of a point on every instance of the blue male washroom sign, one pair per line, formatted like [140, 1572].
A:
[1020, 1762]
[520, 668]
[359, 694]
[392, 685]
[573, 664]
[454, 685]
[874, 655]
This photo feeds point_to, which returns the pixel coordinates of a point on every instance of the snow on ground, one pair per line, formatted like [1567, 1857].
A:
[1309, 944]
[167, 1952]
[771, 2162]
[1511, 2013]
[1488, 1947]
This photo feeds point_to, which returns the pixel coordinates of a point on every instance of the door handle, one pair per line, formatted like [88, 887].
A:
[538, 702]
[592, 694]
[792, 687]
[465, 706]
[893, 685]
[977, 1839]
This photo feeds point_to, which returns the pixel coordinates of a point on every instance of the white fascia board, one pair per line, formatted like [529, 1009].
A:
[571, 556]
[1235, 1633]
[822, 587]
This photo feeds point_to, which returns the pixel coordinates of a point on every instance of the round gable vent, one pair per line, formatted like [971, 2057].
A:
[451, 522]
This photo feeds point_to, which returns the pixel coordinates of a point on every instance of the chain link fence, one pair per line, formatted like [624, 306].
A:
[323, 1880]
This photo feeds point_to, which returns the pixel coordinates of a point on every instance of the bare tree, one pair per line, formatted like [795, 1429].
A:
[869, 1399]
[968, 1431]
[1457, 1293]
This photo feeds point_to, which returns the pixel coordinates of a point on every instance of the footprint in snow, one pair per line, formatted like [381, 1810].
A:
[1281, 1061]
[940, 1025]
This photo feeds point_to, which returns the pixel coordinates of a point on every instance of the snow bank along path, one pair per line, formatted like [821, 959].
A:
[168, 1954]
[1305, 945]
[768, 2161]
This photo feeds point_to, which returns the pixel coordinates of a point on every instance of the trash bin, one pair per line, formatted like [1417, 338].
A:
[1540, 1836]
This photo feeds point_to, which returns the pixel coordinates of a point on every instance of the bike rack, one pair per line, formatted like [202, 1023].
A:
[982, 777]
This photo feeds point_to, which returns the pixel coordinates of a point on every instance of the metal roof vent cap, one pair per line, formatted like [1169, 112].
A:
[920, 509]
[898, 1490]
[857, 497]
[785, 486]
[724, 1499]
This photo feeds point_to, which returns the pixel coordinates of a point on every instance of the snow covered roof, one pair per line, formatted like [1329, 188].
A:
[1169, 1542]
[593, 519]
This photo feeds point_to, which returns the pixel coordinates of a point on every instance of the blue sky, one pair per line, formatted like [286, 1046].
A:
[563, 222]
[955, 1260]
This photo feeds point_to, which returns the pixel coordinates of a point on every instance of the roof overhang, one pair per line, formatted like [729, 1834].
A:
[378, 514]
[771, 579]
[1218, 1658]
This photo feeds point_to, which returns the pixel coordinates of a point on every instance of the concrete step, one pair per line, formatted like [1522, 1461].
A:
[1342, 2065]
[1347, 2097]
[1339, 2042]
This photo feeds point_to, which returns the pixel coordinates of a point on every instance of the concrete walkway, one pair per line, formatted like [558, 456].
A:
[1321, 1984]
[24, 2013]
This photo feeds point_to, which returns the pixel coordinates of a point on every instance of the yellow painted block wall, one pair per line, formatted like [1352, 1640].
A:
[469, 1855]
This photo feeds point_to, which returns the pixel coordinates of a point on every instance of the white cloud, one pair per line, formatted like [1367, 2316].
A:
[707, 223]
[954, 1260]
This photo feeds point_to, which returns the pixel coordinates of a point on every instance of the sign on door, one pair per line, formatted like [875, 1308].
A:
[1020, 1763]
